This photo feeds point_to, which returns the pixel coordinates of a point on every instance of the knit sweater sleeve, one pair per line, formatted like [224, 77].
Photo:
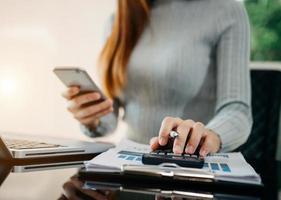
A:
[233, 118]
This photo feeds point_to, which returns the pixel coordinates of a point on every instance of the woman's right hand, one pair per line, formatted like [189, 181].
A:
[87, 108]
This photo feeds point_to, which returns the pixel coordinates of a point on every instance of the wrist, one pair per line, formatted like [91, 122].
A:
[93, 126]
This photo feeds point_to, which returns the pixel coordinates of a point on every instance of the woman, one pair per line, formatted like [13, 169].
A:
[174, 65]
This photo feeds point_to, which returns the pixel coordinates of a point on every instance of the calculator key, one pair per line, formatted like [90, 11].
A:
[177, 157]
[167, 156]
[168, 151]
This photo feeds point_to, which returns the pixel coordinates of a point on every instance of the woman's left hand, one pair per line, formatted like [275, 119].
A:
[201, 137]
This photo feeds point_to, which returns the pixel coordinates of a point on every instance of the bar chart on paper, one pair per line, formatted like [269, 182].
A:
[217, 167]
[129, 155]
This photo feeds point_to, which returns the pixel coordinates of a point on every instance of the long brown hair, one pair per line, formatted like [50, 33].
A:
[130, 19]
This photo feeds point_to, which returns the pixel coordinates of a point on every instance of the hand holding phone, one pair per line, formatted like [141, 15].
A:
[85, 100]
[72, 76]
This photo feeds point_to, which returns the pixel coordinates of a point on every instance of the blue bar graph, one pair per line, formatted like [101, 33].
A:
[215, 166]
[225, 167]
[129, 155]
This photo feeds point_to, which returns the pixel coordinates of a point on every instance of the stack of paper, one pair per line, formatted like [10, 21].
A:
[225, 166]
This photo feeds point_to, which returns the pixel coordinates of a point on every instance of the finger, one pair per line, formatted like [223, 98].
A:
[177, 198]
[168, 124]
[183, 131]
[159, 197]
[83, 99]
[211, 144]
[70, 190]
[196, 135]
[77, 185]
[76, 182]
[104, 112]
[70, 92]
[206, 146]
[95, 194]
[94, 109]
[154, 143]
[90, 119]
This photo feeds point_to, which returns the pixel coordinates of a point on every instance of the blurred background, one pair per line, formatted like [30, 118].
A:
[37, 35]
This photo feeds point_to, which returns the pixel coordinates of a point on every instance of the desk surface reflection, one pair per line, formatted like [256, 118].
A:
[64, 184]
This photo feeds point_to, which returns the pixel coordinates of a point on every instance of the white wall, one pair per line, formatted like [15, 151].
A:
[35, 36]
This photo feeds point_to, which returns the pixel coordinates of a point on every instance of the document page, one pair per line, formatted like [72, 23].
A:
[127, 152]
[231, 167]
[225, 166]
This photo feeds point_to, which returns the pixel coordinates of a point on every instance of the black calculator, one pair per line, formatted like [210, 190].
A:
[167, 156]
[164, 154]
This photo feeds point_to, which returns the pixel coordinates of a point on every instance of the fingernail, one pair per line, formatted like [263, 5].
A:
[203, 152]
[162, 141]
[190, 149]
[177, 150]
[75, 90]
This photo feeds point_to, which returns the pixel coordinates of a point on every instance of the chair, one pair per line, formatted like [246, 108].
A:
[261, 146]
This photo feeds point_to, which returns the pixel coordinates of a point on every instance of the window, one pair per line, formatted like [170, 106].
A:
[265, 19]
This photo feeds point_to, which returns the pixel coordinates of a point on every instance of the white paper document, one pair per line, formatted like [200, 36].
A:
[127, 152]
[225, 166]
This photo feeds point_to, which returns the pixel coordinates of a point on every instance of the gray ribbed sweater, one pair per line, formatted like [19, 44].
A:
[191, 62]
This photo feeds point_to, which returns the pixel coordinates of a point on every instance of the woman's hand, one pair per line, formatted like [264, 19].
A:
[205, 139]
[73, 190]
[87, 108]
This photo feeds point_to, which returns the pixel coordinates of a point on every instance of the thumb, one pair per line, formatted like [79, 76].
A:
[154, 143]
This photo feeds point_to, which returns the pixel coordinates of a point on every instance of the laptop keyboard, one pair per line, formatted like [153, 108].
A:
[27, 144]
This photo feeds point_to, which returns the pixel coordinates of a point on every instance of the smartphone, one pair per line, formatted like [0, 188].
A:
[73, 76]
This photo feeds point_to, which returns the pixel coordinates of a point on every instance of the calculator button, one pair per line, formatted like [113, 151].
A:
[168, 151]
[177, 157]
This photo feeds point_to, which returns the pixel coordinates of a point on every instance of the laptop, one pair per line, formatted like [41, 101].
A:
[32, 153]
